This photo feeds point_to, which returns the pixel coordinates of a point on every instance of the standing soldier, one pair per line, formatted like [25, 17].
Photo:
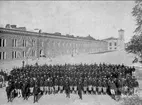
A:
[85, 85]
[61, 83]
[112, 89]
[104, 85]
[75, 85]
[120, 84]
[99, 86]
[36, 91]
[71, 84]
[136, 86]
[67, 88]
[56, 85]
[32, 81]
[50, 85]
[79, 86]
[89, 85]
[94, 83]
[46, 84]
[41, 85]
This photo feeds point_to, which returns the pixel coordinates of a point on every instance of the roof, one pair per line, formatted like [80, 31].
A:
[25, 32]
[111, 38]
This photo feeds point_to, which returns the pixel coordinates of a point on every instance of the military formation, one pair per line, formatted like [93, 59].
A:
[78, 79]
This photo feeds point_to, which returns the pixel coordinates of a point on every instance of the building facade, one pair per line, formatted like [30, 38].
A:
[116, 43]
[19, 44]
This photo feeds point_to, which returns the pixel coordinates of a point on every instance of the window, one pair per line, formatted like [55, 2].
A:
[33, 42]
[110, 48]
[14, 42]
[2, 42]
[24, 54]
[2, 55]
[14, 54]
[115, 44]
[24, 43]
[115, 48]
[110, 44]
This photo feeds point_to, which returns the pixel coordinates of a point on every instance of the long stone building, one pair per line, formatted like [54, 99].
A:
[16, 43]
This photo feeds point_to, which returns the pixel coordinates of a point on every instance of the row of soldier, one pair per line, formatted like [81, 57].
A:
[93, 79]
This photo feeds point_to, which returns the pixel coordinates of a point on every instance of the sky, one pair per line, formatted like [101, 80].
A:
[100, 19]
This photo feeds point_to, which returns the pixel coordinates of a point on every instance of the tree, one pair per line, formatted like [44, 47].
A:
[135, 45]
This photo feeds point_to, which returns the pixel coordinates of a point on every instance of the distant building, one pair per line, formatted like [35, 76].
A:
[116, 43]
[16, 43]
[20, 44]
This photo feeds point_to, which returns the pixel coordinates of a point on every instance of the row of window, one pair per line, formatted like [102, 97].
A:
[14, 54]
[14, 43]
[110, 44]
[2, 42]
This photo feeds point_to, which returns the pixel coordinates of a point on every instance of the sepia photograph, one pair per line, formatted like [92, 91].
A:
[80, 52]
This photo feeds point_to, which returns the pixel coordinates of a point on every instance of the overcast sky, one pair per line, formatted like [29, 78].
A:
[100, 19]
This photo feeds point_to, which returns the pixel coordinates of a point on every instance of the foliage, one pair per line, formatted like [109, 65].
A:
[135, 45]
[137, 13]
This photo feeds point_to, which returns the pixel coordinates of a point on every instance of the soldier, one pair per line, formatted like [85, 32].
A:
[94, 83]
[104, 85]
[36, 91]
[85, 85]
[89, 85]
[16, 86]
[50, 85]
[56, 85]
[20, 88]
[99, 86]
[41, 85]
[46, 84]
[67, 88]
[75, 85]
[32, 81]
[120, 85]
[79, 87]
[136, 86]
[112, 89]
[61, 83]
[71, 84]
